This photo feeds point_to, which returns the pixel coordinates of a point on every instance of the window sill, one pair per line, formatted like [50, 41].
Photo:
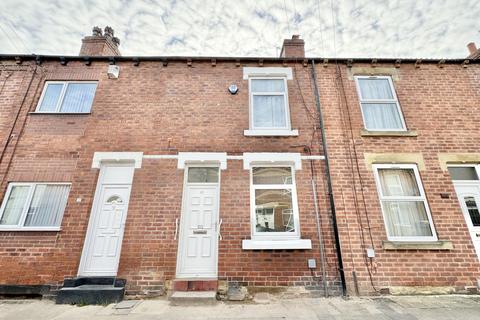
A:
[407, 133]
[276, 244]
[7, 229]
[267, 133]
[63, 113]
[417, 245]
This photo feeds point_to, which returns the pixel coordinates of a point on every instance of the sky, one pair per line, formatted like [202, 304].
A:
[342, 28]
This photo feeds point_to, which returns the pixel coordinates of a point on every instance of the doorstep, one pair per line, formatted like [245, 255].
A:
[193, 298]
[91, 290]
[194, 285]
[193, 291]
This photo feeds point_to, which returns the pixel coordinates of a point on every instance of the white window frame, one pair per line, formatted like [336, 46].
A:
[278, 93]
[421, 197]
[21, 222]
[465, 165]
[62, 96]
[201, 165]
[393, 100]
[265, 236]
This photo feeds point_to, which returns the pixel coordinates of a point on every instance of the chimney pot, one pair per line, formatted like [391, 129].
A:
[100, 43]
[472, 48]
[474, 52]
[96, 32]
[293, 48]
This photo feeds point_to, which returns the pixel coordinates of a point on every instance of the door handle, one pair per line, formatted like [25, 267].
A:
[176, 229]
[219, 228]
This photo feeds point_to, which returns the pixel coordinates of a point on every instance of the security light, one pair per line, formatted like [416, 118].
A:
[233, 89]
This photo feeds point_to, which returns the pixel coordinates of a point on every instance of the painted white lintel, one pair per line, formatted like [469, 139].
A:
[160, 156]
[229, 157]
[202, 158]
[270, 133]
[267, 72]
[135, 157]
[313, 157]
[276, 244]
[267, 158]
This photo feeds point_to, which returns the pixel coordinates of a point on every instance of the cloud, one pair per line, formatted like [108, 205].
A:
[363, 28]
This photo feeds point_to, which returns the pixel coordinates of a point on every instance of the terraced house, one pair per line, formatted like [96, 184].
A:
[155, 175]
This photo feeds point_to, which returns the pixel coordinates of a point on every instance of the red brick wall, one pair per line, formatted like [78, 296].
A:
[166, 109]
[441, 104]
[158, 110]
[98, 46]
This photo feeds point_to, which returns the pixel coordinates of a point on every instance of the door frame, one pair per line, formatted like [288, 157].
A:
[465, 213]
[97, 199]
[181, 243]
[467, 183]
[461, 202]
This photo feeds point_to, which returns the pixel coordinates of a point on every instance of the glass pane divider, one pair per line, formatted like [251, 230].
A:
[62, 95]
[259, 93]
[378, 101]
[28, 202]
[389, 198]
[272, 186]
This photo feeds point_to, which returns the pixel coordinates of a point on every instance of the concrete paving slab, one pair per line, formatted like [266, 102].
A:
[401, 308]
[190, 298]
[127, 304]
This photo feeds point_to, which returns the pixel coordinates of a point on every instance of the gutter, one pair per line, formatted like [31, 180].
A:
[213, 59]
[329, 182]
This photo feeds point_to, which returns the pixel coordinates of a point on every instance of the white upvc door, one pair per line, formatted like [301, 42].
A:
[469, 197]
[103, 242]
[198, 237]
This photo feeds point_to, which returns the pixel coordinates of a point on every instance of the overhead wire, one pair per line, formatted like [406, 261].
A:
[286, 17]
[13, 27]
[295, 21]
[322, 42]
[9, 39]
[352, 157]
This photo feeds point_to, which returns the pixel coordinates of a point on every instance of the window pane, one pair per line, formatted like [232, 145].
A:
[266, 85]
[269, 112]
[463, 173]
[375, 89]
[15, 205]
[473, 210]
[51, 96]
[398, 182]
[381, 116]
[203, 174]
[407, 219]
[78, 97]
[47, 206]
[272, 175]
[273, 210]
[114, 200]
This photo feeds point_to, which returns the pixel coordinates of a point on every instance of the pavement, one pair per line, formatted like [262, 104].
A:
[388, 307]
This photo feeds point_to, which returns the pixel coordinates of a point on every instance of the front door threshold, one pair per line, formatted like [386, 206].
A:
[195, 285]
[195, 298]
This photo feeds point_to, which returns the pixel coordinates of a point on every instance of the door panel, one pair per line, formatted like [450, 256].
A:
[469, 197]
[104, 245]
[198, 238]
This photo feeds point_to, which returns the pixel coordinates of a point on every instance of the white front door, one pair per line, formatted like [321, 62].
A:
[198, 246]
[103, 243]
[469, 197]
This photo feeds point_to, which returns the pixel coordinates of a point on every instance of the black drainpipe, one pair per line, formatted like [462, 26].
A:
[329, 182]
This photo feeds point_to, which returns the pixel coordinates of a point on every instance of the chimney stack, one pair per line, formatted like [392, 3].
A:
[293, 48]
[100, 44]
[474, 52]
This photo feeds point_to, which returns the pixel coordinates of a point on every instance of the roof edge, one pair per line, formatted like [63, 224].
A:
[36, 57]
